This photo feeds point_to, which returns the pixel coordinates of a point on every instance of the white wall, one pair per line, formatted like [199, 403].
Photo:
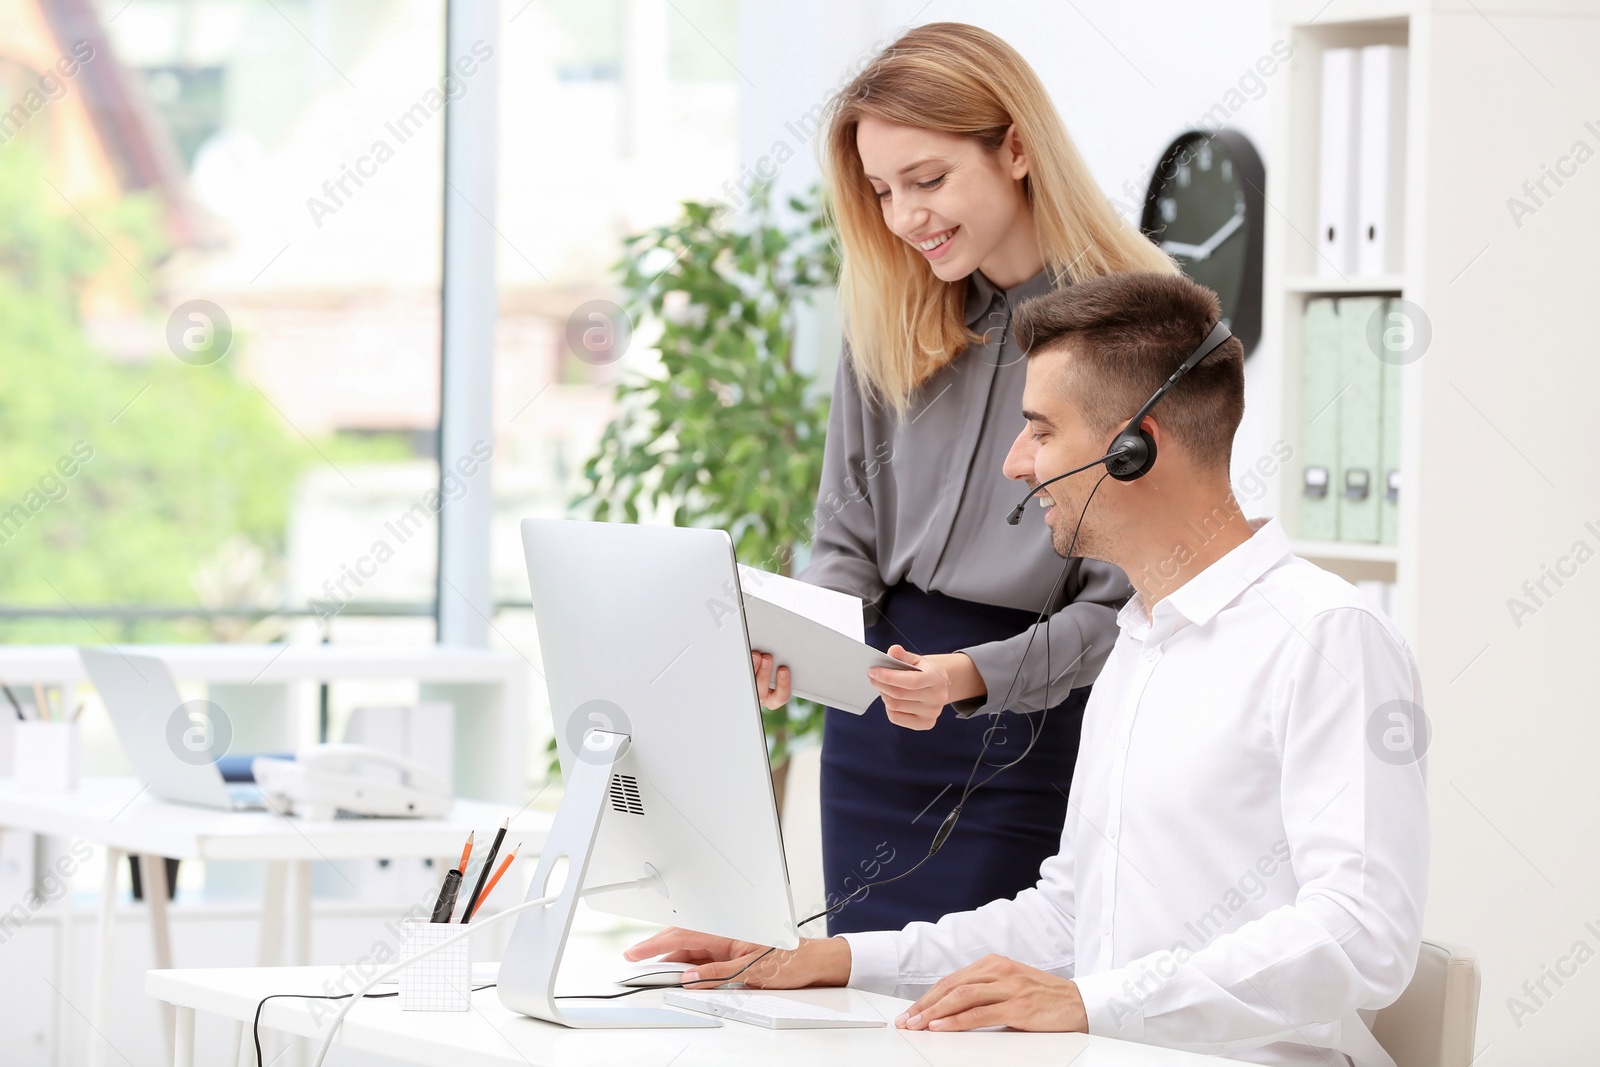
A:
[1510, 493]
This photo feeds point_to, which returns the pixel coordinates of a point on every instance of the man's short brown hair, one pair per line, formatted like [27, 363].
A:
[1127, 333]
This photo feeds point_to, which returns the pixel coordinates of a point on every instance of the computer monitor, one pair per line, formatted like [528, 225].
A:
[663, 755]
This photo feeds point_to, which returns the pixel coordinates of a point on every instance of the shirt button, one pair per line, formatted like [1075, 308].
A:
[1150, 657]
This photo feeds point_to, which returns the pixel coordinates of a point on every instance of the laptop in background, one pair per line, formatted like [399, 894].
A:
[142, 699]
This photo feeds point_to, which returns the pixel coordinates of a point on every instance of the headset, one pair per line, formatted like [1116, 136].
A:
[1133, 451]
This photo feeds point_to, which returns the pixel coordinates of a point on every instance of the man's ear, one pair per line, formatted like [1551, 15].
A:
[1168, 451]
[1152, 426]
[1177, 460]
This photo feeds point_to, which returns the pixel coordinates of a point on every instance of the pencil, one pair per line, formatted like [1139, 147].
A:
[466, 854]
[41, 705]
[496, 879]
[12, 697]
[483, 875]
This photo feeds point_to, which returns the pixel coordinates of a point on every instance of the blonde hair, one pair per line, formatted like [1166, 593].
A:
[902, 321]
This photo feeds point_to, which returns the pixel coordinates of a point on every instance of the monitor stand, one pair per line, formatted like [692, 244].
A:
[527, 979]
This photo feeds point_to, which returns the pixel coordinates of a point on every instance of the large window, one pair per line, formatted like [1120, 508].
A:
[220, 272]
[220, 258]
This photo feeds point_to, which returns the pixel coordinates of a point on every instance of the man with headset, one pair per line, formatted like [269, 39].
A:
[1244, 862]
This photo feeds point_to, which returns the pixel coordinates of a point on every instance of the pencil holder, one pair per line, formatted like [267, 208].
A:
[45, 755]
[442, 981]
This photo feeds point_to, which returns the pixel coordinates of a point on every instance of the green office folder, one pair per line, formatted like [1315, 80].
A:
[1359, 485]
[1319, 435]
[1389, 490]
[1320, 400]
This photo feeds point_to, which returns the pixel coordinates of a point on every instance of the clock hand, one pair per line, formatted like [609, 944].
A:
[1199, 252]
[1223, 234]
[1178, 248]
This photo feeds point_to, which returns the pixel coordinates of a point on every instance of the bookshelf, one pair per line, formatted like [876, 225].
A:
[1292, 277]
[1497, 448]
[1381, 285]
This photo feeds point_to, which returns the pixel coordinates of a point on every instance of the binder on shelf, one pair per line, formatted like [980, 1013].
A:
[1389, 449]
[1358, 483]
[1381, 159]
[1337, 162]
[1319, 434]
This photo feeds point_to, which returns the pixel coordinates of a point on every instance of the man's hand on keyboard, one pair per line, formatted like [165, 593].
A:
[997, 991]
[819, 961]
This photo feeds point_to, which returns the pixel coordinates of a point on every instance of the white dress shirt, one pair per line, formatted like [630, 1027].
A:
[1245, 857]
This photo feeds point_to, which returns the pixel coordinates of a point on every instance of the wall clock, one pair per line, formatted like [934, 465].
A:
[1204, 207]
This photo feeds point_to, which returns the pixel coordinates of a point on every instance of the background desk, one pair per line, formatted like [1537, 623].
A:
[257, 686]
[491, 1036]
[119, 814]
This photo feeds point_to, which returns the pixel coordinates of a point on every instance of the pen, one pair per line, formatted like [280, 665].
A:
[447, 897]
[496, 879]
[446, 904]
[483, 875]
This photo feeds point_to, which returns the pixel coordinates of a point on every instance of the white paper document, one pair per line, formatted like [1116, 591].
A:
[817, 633]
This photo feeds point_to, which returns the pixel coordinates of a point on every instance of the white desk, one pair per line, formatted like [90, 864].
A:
[119, 814]
[258, 685]
[491, 1036]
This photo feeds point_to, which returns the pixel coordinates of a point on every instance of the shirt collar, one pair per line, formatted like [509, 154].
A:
[1200, 598]
[981, 292]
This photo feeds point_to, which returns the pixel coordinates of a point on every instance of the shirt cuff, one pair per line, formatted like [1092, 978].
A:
[874, 961]
[996, 668]
[1111, 1011]
[966, 709]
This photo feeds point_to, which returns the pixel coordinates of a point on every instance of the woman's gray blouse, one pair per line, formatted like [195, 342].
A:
[925, 502]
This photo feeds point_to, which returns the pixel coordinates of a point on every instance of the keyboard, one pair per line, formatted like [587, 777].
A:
[764, 1009]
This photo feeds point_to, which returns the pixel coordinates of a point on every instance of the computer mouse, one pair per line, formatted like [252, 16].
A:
[651, 974]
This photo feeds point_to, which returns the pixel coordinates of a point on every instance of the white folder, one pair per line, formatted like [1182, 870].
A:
[817, 633]
[1337, 162]
[1382, 159]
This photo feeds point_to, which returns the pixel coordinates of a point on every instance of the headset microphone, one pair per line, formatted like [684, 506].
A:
[1133, 451]
[1016, 512]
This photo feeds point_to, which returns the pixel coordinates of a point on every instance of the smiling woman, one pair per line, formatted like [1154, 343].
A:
[956, 194]
[961, 116]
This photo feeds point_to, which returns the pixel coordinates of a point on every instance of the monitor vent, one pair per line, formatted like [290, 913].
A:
[625, 795]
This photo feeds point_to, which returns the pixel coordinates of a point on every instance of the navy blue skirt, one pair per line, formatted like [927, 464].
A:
[886, 789]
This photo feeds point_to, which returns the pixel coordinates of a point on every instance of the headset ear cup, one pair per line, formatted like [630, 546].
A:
[1139, 458]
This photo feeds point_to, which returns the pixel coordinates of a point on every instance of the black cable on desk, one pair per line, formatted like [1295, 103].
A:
[255, 1027]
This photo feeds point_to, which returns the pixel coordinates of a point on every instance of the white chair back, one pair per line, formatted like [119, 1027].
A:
[1434, 1022]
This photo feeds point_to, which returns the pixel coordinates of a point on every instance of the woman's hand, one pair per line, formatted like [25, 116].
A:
[778, 694]
[914, 699]
[818, 960]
